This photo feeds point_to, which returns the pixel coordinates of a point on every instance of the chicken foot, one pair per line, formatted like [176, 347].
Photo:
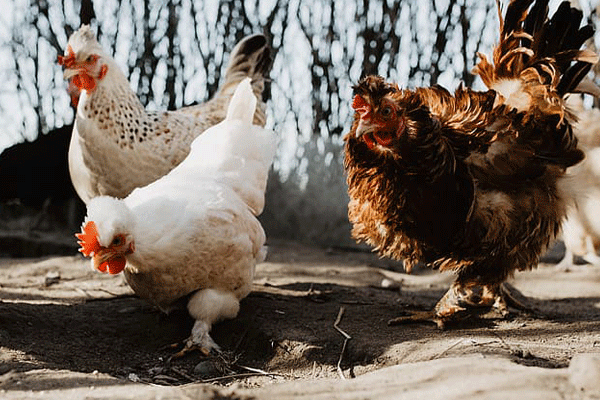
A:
[208, 306]
[451, 307]
[460, 303]
[199, 340]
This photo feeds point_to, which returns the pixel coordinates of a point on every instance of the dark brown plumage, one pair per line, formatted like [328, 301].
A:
[472, 182]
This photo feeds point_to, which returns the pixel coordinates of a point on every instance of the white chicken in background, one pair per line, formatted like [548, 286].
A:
[581, 229]
[116, 144]
[193, 232]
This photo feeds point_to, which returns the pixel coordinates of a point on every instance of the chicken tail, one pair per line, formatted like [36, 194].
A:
[250, 58]
[242, 103]
[533, 47]
[236, 152]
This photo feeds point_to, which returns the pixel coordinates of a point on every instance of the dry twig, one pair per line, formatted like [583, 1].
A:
[183, 374]
[346, 339]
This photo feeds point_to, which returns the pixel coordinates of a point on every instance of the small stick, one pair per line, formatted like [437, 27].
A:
[233, 376]
[356, 302]
[181, 373]
[256, 370]
[346, 339]
[459, 341]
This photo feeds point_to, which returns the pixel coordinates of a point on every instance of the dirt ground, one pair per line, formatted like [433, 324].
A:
[314, 327]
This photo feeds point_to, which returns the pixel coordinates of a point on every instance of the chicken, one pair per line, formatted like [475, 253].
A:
[581, 229]
[116, 144]
[193, 233]
[473, 182]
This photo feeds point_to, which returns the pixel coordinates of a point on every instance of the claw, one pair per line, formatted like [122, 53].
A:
[516, 299]
[460, 303]
[417, 316]
[191, 346]
[199, 340]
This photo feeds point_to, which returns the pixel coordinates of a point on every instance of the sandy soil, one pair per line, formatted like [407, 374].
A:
[314, 327]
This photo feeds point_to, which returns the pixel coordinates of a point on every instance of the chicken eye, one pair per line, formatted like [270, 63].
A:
[386, 111]
[118, 241]
[90, 58]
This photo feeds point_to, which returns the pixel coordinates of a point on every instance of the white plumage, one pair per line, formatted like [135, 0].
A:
[116, 144]
[581, 229]
[193, 231]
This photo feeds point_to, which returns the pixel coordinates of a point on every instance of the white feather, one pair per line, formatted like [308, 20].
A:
[512, 94]
[243, 103]
[581, 229]
[196, 227]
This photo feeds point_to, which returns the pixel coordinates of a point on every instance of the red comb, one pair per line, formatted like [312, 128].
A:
[69, 60]
[359, 102]
[88, 239]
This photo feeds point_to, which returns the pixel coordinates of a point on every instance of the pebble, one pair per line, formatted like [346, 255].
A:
[205, 368]
[390, 284]
[133, 377]
[51, 278]
[584, 372]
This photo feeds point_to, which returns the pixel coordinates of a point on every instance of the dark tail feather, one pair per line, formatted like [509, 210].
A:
[552, 46]
[572, 77]
[536, 17]
[561, 29]
[514, 16]
[560, 39]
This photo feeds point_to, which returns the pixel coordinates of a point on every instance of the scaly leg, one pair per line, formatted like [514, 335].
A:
[208, 306]
[451, 307]
[493, 296]
[459, 302]
[501, 295]
[591, 256]
[566, 264]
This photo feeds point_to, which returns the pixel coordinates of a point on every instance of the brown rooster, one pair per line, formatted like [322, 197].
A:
[472, 182]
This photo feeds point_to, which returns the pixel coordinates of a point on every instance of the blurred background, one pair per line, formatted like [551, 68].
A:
[175, 52]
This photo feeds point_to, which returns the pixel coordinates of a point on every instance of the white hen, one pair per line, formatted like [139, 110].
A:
[581, 229]
[116, 144]
[194, 231]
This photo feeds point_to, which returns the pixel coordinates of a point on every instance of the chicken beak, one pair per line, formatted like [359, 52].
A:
[364, 127]
[69, 73]
[100, 257]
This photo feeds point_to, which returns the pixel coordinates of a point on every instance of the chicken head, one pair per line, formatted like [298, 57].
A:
[380, 120]
[110, 258]
[83, 60]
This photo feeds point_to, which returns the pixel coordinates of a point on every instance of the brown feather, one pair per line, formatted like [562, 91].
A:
[473, 184]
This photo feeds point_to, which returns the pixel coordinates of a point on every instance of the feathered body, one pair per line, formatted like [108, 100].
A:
[581, 228]
[193, 231]
[472, 182]
[116, 144]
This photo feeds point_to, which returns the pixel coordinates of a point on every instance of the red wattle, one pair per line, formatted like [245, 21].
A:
[84, 81]
[116, 265]
[383, 138]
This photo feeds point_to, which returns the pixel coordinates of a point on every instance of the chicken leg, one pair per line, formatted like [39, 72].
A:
[459, 303]
[207, 307]
[451, 307]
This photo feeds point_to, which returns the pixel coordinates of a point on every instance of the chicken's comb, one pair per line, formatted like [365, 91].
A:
[359, 102]
[69, 60]
[88, 239]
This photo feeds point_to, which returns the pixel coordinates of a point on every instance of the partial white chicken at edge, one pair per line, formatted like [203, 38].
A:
[581, 228]
[193, 231]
